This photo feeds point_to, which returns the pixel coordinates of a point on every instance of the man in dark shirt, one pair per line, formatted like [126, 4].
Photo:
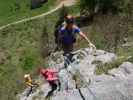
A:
[67, 35]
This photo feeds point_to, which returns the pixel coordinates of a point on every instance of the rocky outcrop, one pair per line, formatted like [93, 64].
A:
[79, 81]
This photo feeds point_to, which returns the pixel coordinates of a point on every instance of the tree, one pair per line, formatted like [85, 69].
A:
[104, 6]
[17, 5]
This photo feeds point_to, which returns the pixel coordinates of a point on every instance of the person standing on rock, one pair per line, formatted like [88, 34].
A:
[29, 82]
[67, 34]
[52, 78]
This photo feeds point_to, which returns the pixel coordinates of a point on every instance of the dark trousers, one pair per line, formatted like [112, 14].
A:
[54, 86]
[68, 59]
[30, 91]
[67, 48]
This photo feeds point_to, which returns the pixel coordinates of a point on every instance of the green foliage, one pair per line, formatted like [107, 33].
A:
[14, 10]
[64, 11]
[21, 46]
[78, 80]
[130, 59]
[102, 5]
[88, 4]
[28, 61]
[126, 52]
[112, 5]
[98, 40]
[11, 82]
[104, 68]
[45, 49]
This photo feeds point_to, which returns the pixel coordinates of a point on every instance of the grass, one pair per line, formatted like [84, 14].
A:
[21, 46]
[104, 68]
[78, 80]
[102, 34]
[124, 54]
[9, 13]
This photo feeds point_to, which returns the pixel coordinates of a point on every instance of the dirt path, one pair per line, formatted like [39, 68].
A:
[61, 3]
[67, 2]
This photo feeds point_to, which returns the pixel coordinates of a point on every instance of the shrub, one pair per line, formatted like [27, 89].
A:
[100, 5]
[104, 68]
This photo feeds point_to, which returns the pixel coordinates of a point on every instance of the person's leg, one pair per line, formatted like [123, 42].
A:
[67, 48]
[30, 91]
[53, 88]
[59, 85]
[70, 57]
[36, 84]
[67, 53]
[70, 48]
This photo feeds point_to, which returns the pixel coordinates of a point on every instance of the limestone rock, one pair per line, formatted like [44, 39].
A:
[67, 95]
[117, 85]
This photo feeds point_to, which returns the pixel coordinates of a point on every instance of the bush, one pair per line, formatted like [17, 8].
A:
[104, 68]
[100, 5]
[87, 5]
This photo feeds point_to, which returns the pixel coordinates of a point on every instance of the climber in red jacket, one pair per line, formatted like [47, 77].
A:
[51, 76]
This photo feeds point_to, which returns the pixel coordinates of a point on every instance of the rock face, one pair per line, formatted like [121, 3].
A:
[79, 82]
[70, 95]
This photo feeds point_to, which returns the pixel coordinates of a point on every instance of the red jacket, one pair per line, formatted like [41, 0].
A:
[49, 74]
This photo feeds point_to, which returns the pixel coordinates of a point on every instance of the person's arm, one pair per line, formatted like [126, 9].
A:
[77, 29]
[86, 38]
[29, 84]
